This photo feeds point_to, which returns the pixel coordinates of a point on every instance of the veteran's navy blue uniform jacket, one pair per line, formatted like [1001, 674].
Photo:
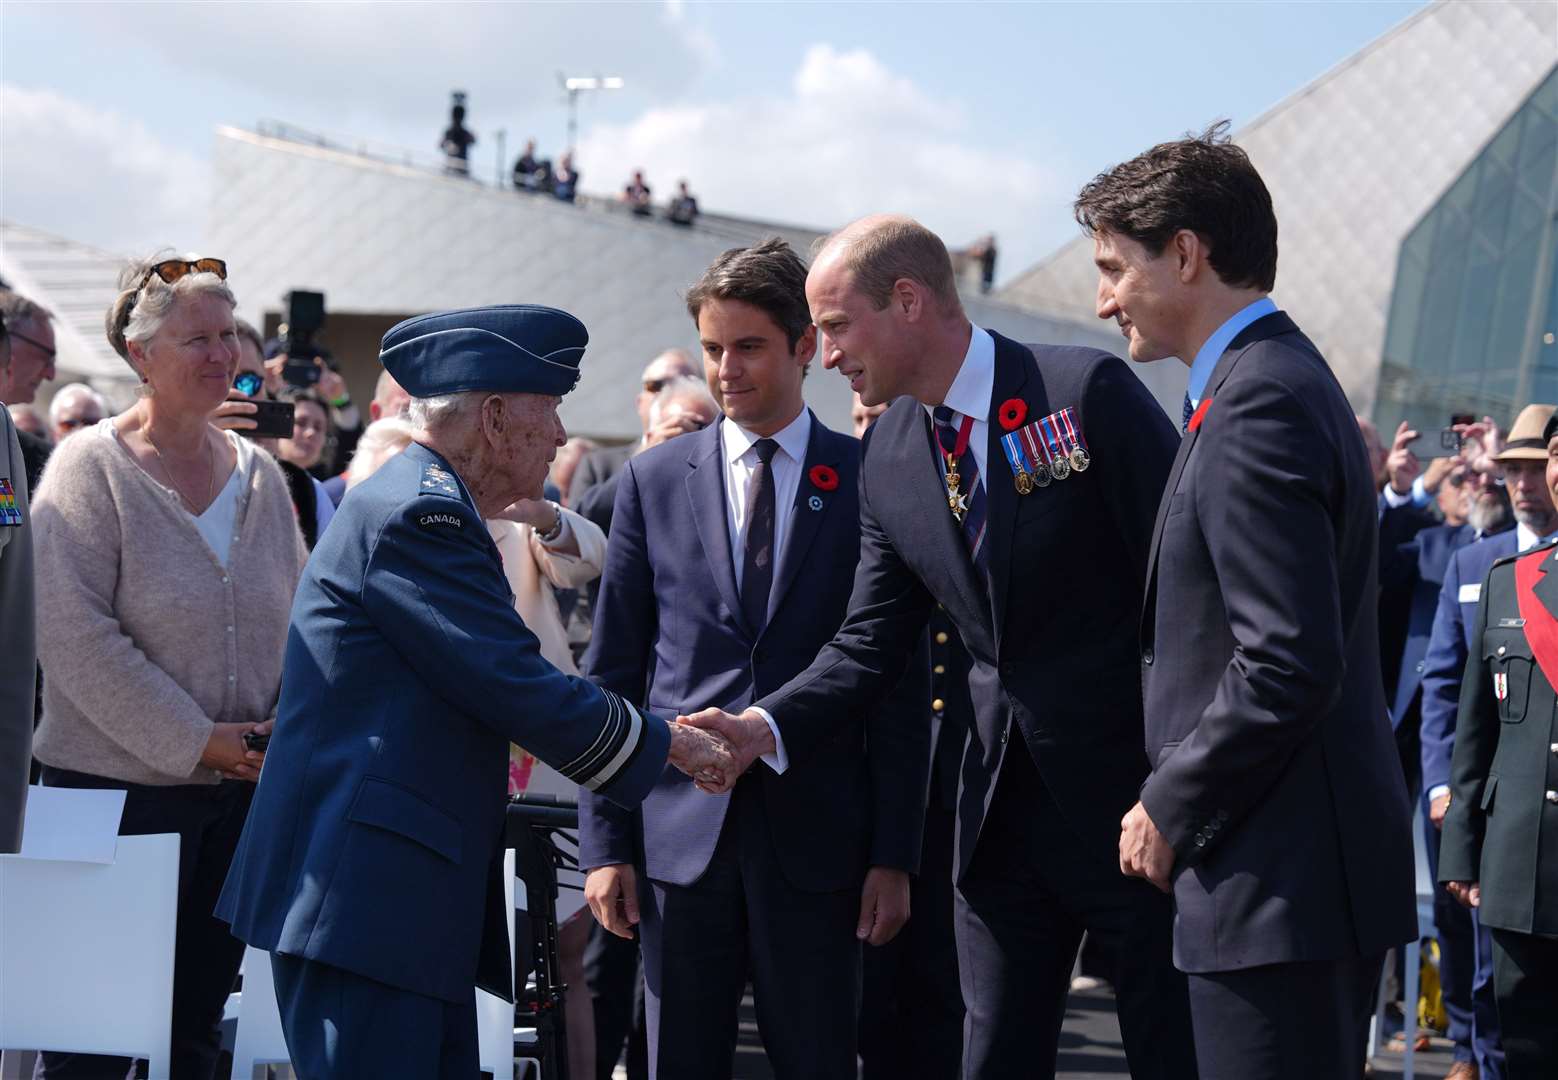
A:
[374, 840]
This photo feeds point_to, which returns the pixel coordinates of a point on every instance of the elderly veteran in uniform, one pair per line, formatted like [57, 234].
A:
[371, 864]
[1497, 853]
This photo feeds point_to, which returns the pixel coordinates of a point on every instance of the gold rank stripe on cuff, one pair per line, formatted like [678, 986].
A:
[619, 738]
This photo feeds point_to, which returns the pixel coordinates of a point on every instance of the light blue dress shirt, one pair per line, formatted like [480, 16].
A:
[1206, 359]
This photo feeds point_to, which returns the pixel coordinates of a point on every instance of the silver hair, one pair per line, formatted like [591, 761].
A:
[680, 388]
[429, 412]
[65, 394]
[139, 311]
[380, 441]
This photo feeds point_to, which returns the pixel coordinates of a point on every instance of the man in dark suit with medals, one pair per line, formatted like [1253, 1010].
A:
[1014, 485]
[1497, 854]
[1276, 811]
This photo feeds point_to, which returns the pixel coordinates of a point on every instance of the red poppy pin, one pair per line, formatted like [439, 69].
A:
[1198, 416]
[823, 478]
[1012, 413]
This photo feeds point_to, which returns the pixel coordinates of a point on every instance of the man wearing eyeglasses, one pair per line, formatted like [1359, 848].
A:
[598, 466]
[26, 359]
[75, 407]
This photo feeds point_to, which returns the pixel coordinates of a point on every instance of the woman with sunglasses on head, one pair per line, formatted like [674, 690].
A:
[169, 551]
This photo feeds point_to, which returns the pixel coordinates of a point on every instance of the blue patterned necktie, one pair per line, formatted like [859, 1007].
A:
[947, 423]
[1184, 425]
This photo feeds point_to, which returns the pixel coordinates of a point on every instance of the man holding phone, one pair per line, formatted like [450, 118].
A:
[250, 411]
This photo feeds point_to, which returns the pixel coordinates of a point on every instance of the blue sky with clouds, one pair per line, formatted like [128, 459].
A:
[974, 117]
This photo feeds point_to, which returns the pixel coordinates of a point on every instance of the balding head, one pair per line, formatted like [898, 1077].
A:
[882, 250]
[389, 398]
[662, 369]
[882, 292]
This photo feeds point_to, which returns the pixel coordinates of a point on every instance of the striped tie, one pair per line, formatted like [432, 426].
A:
[947, 424]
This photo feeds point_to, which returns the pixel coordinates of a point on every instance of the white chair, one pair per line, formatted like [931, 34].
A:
[494, 1016]
[259, 1039]
[86, 952]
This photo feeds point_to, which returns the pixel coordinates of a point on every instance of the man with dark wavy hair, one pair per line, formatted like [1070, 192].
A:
[1276, 812]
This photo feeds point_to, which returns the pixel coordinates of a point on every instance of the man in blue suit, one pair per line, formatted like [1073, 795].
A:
[731, 556]
[1014, 484]
[370, 865]
[1465, 946]
[1276, 810]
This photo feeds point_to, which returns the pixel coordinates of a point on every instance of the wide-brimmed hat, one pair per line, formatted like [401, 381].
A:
[1528, 437]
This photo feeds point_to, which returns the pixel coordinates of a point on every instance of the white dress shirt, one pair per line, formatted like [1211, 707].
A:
[740, 453]
[740, 456]
[970, 394]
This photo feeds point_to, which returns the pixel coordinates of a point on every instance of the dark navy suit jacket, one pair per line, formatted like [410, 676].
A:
[1276, 778]
[1415, 568]
[1051, 631]
[1444, 664]
[374, 840]
[669, 632]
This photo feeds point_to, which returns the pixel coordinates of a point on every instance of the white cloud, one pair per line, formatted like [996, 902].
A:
[97, 177]
[851, 137]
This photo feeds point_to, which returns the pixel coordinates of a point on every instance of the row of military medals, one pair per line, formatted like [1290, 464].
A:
[1049, 449]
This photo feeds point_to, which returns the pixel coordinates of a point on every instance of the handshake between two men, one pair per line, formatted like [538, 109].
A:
[715, 747]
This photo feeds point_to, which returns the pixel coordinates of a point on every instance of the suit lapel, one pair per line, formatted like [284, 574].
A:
[706, 498]
[805, 523]
[920, 477]
[1012, 365]
[1547, 585]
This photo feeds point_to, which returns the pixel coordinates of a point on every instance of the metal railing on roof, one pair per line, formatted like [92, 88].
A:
[724, 226]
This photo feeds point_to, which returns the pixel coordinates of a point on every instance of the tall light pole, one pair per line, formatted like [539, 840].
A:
[578, 85]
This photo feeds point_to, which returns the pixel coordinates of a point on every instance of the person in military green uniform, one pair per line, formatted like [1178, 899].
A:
[1499, 852]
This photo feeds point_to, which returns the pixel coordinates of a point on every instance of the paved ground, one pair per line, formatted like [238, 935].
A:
[1089, 1047]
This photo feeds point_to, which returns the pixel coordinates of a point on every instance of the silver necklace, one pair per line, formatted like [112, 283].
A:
[210, 473]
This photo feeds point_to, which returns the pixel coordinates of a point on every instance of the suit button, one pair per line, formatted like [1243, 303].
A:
[1003, 738]
[940, 669]
[938, 704]
[1501, 649]
[1554, 748]
[1419, 667]
[941, 637]
[1146, 656]
[1552, 796]
[1200, 841]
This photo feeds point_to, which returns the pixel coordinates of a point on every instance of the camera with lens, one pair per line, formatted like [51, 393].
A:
[304, 319]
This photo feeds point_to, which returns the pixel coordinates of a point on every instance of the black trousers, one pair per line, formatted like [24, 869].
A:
[742, 919]
[911, 1006]
[1525, 981]
[615, 978]
[1284, 1021]
[206, 958]
[1031, 889]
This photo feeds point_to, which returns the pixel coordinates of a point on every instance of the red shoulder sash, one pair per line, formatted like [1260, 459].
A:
[1541, 624]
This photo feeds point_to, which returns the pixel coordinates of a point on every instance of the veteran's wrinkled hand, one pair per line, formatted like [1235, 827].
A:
[747, 734]
[703, 755]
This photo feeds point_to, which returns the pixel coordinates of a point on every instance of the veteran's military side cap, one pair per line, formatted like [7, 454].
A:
[512, 348]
